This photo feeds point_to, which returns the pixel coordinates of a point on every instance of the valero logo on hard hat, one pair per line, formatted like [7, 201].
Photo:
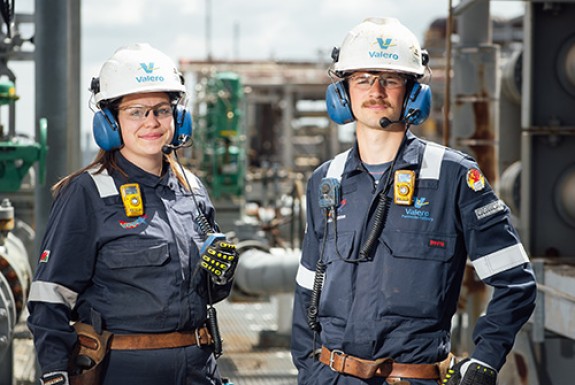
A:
[149, 68]
[383, 55]
[385, 44]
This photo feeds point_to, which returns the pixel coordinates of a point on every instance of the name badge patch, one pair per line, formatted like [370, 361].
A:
[490, 209]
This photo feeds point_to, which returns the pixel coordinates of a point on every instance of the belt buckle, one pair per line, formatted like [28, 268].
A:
[332, 360]
[198, 338]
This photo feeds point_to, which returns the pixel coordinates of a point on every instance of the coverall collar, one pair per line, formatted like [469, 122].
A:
[135, 173]
[407, 159]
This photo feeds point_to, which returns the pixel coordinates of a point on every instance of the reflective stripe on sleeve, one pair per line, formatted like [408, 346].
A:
[42, 291]
[305, 277]
[501, 260]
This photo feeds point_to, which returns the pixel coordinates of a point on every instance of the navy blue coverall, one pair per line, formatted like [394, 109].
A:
[400, 303]
[140, 274]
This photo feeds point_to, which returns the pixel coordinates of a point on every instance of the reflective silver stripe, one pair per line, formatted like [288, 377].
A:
[501, 260]
[104, 183]
[305, 277]
[192, 180]
[42, 291]
[431, 163]
[337, 165]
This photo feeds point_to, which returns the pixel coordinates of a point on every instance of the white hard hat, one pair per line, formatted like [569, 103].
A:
[380, 44]
[135, 69]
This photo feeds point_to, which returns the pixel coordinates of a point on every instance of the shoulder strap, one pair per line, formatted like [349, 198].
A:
[431, 162]
[337, 165]
[104, 183]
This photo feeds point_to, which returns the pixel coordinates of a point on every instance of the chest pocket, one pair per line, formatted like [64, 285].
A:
[415, 273]
[339, 248]
[146, 253]
[336, 297]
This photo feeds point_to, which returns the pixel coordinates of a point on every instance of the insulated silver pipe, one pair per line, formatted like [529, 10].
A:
[270, 272]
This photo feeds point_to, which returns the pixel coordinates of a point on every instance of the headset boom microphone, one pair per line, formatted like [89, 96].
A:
[385, 121]
[183, 141]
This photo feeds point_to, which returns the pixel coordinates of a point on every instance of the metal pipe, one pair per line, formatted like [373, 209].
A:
[447, 101]
[270, 272]
[476, 89]
[463, 6]
[57, 34]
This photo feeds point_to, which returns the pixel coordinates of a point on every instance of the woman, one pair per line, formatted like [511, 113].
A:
[121, 251]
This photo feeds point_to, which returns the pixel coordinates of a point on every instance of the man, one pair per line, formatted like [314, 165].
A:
[390, 225]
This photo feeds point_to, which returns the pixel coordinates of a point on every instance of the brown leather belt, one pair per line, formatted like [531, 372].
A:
[197, 337]
[340, 362]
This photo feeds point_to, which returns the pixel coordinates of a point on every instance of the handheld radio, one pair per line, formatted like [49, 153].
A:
[329, 193]
[329, 198]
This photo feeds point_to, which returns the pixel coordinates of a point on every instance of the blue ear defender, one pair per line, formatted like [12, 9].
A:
[416, 111]
[106, 130]
[338, 105]
[418, 104]
[183, 123]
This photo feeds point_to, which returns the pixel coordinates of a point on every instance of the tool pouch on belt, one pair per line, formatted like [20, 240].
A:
[85, 365]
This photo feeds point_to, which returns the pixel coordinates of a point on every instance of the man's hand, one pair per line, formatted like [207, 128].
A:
[55, 378]
[220, 260]
[470, 372]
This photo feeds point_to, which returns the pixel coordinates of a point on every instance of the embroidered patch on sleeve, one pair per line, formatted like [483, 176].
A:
[475, 179]
[45, 256]
[490, 209]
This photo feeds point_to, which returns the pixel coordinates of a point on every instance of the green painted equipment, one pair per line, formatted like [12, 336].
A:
[18, 154]
[222, 135]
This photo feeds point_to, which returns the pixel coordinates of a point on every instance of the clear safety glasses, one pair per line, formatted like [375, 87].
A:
[139, 113]
[365, 81]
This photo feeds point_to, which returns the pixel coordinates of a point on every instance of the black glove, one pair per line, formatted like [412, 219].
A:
[474, 373]
[55, 378]
[220, 260]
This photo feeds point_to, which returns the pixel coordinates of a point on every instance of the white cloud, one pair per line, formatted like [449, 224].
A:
[111, 12]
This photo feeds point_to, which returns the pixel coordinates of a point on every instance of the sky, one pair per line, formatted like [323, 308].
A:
[243, 30]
